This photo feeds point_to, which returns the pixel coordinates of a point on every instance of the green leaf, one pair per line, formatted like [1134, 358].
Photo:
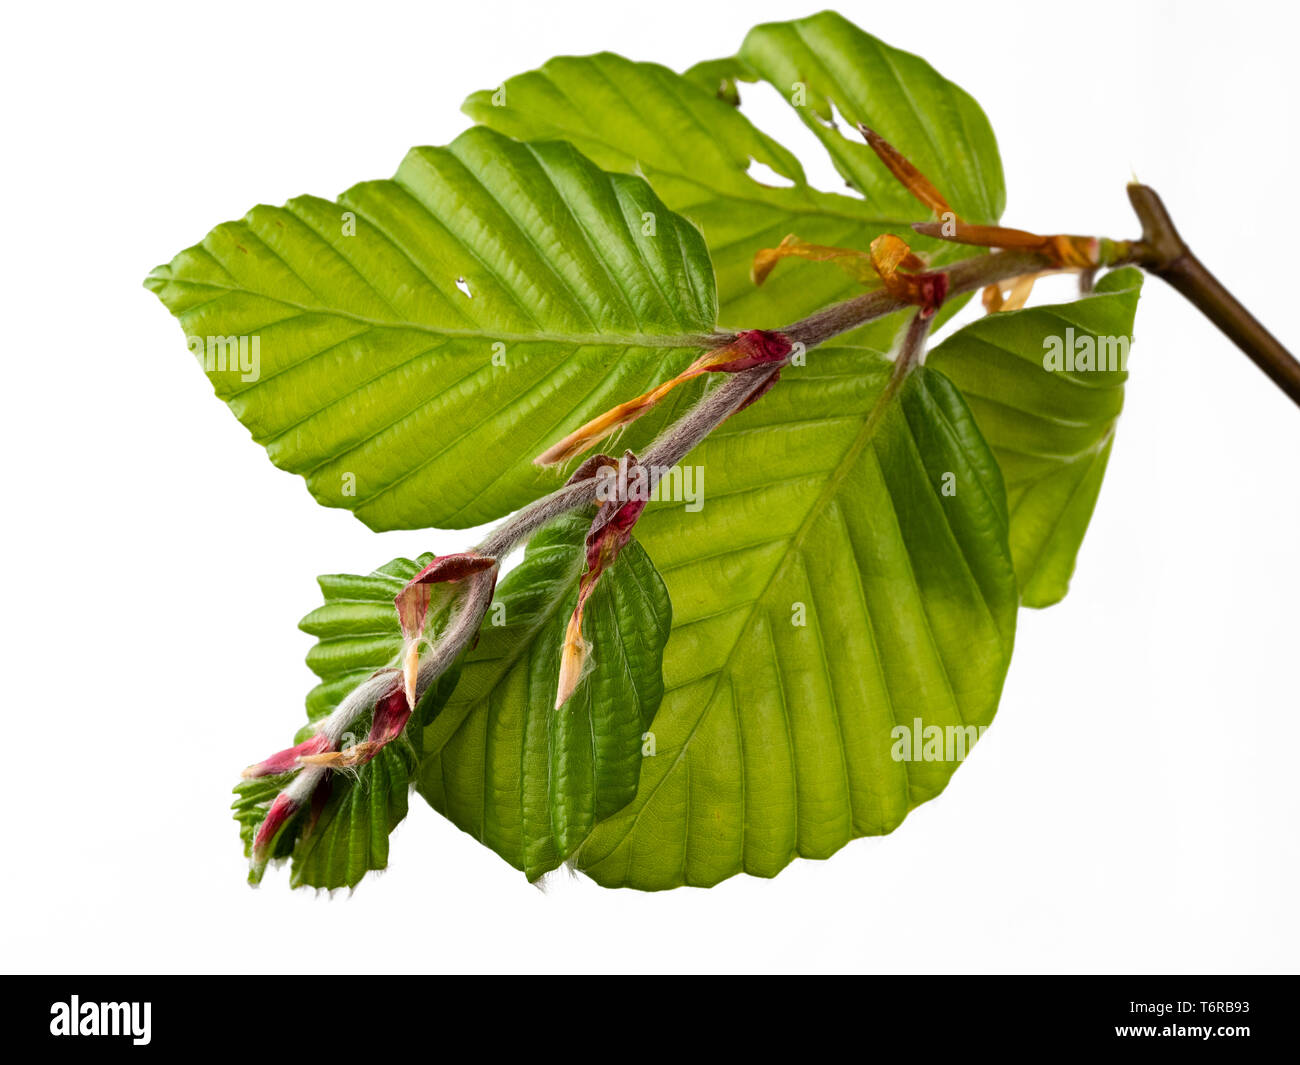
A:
[375, 377]
[356, 630]
[720, 77]
[252, 797]
[696, 151]
[525, 779]
[825, 60]
[1051, 431]
[357, 634]
[350, 838]
[827, 591]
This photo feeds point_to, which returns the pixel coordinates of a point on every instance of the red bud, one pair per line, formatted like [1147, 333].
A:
[287, 761]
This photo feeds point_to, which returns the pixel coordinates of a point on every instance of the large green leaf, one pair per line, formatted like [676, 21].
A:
[1050, 430]
[409, 348]
[402, 397]
[696, 150]
[525, 779]
[825, 60]
[827, 591]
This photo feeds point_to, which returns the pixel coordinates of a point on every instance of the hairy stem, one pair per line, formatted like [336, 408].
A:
[1163, 252]
[668, 449]
[964, 276]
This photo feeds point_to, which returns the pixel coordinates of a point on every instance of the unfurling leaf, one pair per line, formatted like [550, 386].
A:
[412, 604]
[528, 780]
[344, 833]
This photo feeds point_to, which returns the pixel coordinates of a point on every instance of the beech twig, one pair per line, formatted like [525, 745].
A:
[1163, 252]
[1160, 251]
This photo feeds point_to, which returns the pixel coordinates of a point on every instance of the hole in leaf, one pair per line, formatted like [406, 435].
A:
[765, 175]
[463, 285]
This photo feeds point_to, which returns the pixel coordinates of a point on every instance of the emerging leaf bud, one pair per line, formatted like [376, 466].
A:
[750, 348]
[890, 255]
[413, 605]
[282, 809]
[392, 712]
[611, 529]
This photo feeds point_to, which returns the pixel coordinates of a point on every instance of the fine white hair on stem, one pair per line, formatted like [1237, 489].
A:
[672, 445]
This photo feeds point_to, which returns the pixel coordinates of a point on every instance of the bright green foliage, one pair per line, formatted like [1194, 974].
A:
[1051, 430]
[696, 150]
[825, 60]
[849, 587]
[527, 780]
[827, 591]
[398, 395]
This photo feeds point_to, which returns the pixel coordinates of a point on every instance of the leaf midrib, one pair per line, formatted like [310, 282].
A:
[870, 423]
[684, 340]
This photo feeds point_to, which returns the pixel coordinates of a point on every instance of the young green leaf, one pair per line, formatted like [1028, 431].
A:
[346, 835]
[410, 348]
[1051, 429]
[525, 779]
[540, 777]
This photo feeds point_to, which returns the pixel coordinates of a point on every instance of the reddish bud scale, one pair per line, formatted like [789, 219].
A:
[925, 290]
[907, 174]
[287, 761]
[412, 604]
[611, 530]
[319, 798]
[930, 291]
[590, 466]
[413, 600]
[392, 712]
[754, 347]
[282, 808]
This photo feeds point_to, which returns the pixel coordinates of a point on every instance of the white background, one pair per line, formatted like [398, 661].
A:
[1133, 808]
